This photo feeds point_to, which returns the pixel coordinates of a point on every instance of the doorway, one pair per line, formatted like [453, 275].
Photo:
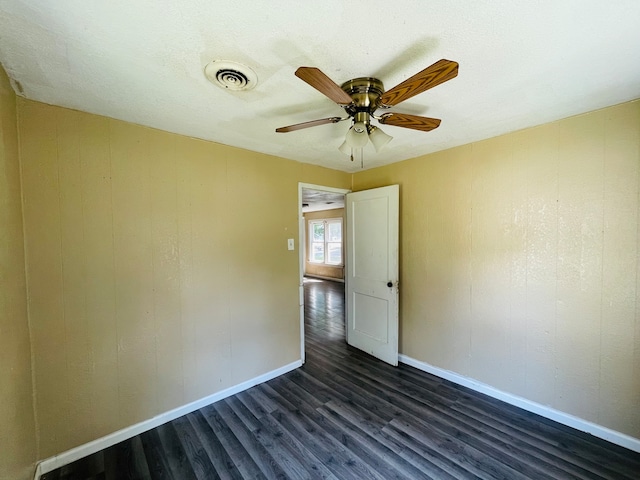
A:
[324, 264]
[371, 257]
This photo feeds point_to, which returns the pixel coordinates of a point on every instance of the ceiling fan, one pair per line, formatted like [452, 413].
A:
[362, 97]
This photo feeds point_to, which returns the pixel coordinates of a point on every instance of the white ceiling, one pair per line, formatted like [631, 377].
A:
[522, 63]
[317, 200]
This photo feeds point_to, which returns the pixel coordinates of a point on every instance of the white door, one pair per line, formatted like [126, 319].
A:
[372, 272]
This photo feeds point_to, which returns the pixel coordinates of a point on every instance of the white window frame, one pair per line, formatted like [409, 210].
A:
[326, 222]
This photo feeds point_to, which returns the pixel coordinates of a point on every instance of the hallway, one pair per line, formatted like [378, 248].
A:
[345, 415]
[324, 311]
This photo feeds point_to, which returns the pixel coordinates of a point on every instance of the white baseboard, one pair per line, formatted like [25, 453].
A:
[605, 433]
[94, 446]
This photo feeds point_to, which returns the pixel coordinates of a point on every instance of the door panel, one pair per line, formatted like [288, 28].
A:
[372, 264]
[366, 307]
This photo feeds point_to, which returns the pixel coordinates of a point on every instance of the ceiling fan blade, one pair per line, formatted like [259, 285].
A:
[416, 122]
[312, 123]
[438, 73]
[318, 80]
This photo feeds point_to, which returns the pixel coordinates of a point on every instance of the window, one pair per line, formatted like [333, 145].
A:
[326, 241]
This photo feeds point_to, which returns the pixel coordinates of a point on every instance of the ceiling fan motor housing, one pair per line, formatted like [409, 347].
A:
[365, 92]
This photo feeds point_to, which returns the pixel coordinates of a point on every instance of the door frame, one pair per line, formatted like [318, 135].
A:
[302, 245]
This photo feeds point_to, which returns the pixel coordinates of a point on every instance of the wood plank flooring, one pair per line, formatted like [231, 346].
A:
[346, 415]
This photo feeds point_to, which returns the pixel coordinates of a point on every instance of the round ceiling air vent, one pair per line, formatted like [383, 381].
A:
[230, 75]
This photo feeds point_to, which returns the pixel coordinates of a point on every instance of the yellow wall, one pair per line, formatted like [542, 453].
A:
[328, 271]
[17, 429]
[157, 277]
[519, 263]
[157, 273]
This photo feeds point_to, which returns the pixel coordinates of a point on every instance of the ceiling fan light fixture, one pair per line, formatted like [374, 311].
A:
[344, 148]
[357, 136]
[378, 138]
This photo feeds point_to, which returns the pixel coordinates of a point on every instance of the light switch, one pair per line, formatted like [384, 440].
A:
[290, 244]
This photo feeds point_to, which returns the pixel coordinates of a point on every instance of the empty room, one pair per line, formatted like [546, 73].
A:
[341, 240]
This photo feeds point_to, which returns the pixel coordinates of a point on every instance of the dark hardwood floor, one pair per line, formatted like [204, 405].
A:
[346, 415]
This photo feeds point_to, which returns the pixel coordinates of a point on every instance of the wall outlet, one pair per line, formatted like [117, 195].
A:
[290, 244]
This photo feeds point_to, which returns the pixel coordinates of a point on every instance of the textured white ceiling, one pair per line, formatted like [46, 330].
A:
[316, 200]
[522, 63]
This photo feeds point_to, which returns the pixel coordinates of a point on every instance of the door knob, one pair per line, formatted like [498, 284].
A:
[389, 284]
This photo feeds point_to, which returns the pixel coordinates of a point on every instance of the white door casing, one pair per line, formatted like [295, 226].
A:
[372, 265]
